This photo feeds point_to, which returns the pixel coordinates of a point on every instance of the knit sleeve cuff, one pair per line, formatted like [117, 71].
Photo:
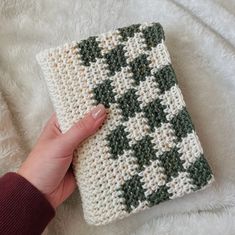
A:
[23, 208]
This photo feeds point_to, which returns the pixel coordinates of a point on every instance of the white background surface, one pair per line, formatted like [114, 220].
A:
[200, 36]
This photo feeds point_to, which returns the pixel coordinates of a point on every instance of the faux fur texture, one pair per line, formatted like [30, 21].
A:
[203, 223]
[201, 40]
[10, 150]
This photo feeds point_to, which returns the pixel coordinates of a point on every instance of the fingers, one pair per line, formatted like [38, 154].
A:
[64, 190]
[85, 127]
[70, 181]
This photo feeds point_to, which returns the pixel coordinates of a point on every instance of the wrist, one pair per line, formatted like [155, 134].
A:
[29, 177]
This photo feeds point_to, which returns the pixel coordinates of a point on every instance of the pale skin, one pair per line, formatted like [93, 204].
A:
[48, 165]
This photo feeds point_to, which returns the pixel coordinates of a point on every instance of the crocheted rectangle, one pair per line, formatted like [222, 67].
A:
[147, 151]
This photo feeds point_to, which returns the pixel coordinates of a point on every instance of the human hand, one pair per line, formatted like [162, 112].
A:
[47, 166]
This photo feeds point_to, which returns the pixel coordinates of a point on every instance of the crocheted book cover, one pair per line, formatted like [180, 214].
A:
[147, 151]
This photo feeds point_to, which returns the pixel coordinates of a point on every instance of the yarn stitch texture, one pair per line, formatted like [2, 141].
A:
[147, 151]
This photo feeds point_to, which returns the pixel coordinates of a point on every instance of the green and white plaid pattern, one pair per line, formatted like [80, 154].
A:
[148, 151]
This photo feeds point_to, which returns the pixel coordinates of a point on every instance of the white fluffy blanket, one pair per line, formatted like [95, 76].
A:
[200, 36]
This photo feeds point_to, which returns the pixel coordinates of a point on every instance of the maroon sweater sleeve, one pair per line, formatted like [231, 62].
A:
[23, 208]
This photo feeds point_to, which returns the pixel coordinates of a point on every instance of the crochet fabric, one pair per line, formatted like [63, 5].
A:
[147, 151]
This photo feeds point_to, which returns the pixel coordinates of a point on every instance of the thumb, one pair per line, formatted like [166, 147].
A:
[84, 127]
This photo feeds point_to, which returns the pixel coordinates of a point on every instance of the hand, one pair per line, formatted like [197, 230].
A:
[47, 166]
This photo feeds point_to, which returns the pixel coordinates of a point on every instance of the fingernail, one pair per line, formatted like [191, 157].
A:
[98, 111]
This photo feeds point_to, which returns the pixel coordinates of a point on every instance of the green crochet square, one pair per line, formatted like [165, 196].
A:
[140, 68]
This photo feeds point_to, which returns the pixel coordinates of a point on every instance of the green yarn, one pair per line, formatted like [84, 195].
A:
[129, 31]
[104, 94]
[116, 59]
[154, 112]
[140, 68]
[165, 78]
[153, 35]
[129, 104]
[134, 186]
[200, 172]
[182, 124]
[117, 141]
[172, 163]
[89, 50]
[144, 152]
[160, 195]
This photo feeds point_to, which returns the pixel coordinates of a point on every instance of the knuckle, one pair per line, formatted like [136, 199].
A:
[83, 125]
